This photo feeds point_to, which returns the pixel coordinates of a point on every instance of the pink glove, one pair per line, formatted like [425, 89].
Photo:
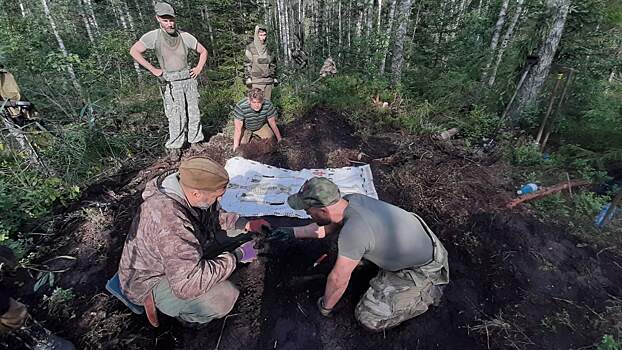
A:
[246, 252]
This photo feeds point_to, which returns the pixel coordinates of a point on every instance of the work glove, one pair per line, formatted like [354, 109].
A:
[323, 311]
[257, 225]
[246, 253]
[281, 234]
[248, 82]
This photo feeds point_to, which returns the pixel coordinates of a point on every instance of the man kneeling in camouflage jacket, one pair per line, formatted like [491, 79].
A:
[163, 254]
[413, 262]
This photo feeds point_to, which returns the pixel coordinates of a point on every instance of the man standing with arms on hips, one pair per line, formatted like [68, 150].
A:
[180, 91]
[413, 262]
[259, 66]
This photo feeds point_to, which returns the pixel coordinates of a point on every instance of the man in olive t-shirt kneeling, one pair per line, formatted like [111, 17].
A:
[413, 262]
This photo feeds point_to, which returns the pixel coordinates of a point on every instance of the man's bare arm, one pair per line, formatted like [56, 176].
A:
[136, 51]
[275, 128]
[338, 280]
[194, 72]
[237, 133]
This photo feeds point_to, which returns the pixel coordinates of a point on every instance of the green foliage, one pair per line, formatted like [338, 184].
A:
[81, 152]
[477, 125]
[609, 343]
[26, 195]
[526, 155]
[57, 302]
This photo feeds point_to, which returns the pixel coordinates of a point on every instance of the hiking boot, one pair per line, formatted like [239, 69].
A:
[38, 337]
[174, 154]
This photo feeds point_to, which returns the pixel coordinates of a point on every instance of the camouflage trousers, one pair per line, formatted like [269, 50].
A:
[215, 303]
[266, 88]
[265, 132]
[181, 106]
[394, 297]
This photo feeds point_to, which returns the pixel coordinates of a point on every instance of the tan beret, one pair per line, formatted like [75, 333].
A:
[202, 173]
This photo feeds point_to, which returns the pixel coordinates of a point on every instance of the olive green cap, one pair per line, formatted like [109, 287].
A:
[317, 192]
[164, 9]
[202, 173]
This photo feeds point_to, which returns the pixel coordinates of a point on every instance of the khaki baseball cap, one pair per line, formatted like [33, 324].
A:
[317, 192]
[202, 173]
[164, 9]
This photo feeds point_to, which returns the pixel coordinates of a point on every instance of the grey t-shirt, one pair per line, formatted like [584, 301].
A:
[387, 235]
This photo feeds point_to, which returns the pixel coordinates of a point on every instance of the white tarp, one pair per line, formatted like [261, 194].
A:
[256, 189]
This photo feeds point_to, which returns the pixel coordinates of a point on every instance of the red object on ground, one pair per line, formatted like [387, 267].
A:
[319, 260]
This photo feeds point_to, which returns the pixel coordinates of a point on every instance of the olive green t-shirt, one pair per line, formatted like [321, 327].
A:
[172, 55]
[384, 234]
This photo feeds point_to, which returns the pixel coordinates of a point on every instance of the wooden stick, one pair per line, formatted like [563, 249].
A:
[545, 191]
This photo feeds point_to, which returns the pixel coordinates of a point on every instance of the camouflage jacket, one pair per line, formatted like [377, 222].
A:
[166, 240]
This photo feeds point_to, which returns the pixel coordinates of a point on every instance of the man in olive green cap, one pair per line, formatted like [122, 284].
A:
[413, 262]
[180, 91]
[259, 65]
[163, 261]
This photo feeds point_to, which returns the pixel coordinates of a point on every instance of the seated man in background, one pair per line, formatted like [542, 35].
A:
[163, 259]
[413, 262]
[254, 117]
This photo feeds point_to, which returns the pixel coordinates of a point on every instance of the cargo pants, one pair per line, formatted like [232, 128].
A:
[181, 106]
[265, 132]
[394, 297]
[215, 303]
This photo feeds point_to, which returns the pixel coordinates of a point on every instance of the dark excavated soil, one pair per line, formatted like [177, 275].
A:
[516, 283]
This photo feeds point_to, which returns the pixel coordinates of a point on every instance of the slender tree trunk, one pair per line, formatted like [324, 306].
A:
[530, 90]
[495, 36]
[87, 25]
[139, 11]
[91, 16]
[400, 38]
[340, 31]
[61, 45]
[22, 8]
[387, 38]
[506, 40]
[349, 25]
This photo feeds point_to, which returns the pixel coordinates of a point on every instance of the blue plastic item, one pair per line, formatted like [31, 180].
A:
[114, 287]
[528, 188]
[600, 218]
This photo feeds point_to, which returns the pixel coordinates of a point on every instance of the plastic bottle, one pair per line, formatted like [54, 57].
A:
[528, 188]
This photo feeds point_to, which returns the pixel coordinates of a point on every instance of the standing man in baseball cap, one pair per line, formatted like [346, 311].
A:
[163, 262]
[413, 262]
[179, 85]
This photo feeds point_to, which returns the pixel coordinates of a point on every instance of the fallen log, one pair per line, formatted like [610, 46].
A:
[545, 191]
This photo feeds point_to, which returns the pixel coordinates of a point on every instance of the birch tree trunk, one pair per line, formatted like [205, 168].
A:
[528, 94]
[91, 16]
[400, 38]
[87, 25]
[61, 45]
[506, 40]
[340, 28]
[387, 38]
[495, 36]
[22, 9]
